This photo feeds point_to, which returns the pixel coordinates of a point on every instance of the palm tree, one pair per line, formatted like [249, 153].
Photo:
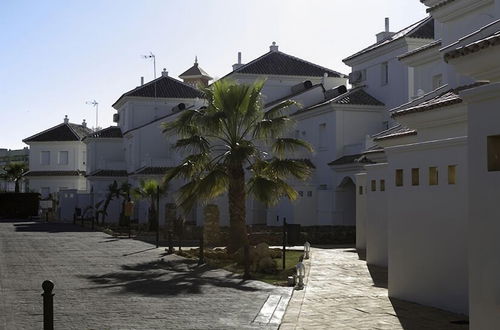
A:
[124, 191]
[14, 172]
[148, 189]
[233, 133]
[113, 191]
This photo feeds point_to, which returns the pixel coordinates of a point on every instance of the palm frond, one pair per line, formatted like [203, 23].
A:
[289, 145]
[285, 168]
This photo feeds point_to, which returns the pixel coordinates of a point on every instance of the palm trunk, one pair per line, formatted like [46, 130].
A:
[237, 223]
[16, 189]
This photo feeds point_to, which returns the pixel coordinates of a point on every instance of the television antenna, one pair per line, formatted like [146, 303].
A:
[151, 55]
[95, 104]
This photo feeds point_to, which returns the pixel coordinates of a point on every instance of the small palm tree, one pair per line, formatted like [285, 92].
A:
[231, 134]
[14, 172]
[148, 189]
[113, 192]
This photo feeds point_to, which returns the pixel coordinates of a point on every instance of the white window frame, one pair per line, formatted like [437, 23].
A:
[61, 158]
[44, 152]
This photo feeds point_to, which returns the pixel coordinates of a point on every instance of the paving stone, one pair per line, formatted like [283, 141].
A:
[106, 283]
[342, 293]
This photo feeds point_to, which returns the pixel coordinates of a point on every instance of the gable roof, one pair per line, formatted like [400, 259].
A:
[474, 47]
[418, 50]
[355, 96]
[423, 29]
[446, 98]
[55, 173]
[109, 132]
[164, 87]
[61, 132]
[279, 63]
[195, 71]
[108, 173]
[351, 159]
[439, 5]
[394, 132]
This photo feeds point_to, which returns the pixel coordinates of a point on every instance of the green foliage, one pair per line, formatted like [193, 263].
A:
[14, 172]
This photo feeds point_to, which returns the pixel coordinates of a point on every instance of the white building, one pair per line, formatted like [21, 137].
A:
[428, 208]
[57, 159]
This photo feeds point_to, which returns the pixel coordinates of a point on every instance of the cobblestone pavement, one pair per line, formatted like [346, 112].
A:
[107, 283]
[342, 293]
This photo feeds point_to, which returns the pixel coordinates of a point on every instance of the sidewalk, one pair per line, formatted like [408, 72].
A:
[342, 293]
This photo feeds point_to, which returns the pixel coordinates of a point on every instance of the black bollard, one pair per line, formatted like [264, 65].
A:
[48, 305]
[47, 216]
[284, 242]
[170, 242]
[74, 218]
[201, 259]
[246, 257]
[158, 216]
[93, 220]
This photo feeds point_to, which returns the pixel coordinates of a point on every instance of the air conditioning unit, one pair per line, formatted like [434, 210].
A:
[355, 77]
[179, 107]
[116, 117]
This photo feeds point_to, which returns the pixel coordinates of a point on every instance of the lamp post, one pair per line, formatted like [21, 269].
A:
[301, 273]
[157, 216]
[307, 249]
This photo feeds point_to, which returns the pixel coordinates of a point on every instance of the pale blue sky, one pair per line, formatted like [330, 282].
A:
[57, 54]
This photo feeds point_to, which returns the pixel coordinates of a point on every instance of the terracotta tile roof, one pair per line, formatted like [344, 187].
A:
[444, 99]
[356, 96]
[195, 70]
[351, 159]
[394, 132]
[55, 173]
[166, 87]
[439, 5]
[61, 132]
[152, 170]
[109, 132]
[423, 29]
[418, 50]
[489, 41]
[112, 173]
[279, 63]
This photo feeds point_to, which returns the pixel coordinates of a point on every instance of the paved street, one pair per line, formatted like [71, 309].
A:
[107, 283]
[342, 293]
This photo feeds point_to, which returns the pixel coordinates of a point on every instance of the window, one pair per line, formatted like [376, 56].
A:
[309, 193]
[363, 75]
[360, 190]
[45, 157]
[399, 178]
[452, 174]
[385, 73]
[493, 153]
[374, 185]
[415, 176]
[301, 193]
[322, 136]
[433, 176]
[437, 81]
[382, 185]
[63, 158]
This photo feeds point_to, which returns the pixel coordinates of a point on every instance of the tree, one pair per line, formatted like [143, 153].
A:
[124, 191]
[14, 172]
[148, 189]
[233, 133]
[113, 191]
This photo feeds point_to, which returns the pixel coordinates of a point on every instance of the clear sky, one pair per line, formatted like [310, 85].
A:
[55, 55]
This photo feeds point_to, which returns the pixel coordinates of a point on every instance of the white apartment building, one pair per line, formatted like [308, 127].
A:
[57, 159]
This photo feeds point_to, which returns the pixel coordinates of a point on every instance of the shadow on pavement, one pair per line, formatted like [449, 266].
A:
[48, 227]
[379, 276]
[166, 278]
[413, 316]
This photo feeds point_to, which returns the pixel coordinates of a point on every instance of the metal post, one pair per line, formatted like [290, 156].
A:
[246, 256]
[93, 220]
[48, 305]
[157, 216]
[201, 259]
[284, 242]
[170, 242]
[47, 216]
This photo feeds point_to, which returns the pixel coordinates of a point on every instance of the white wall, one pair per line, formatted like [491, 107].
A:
[427, 226]
[484, 210]
[376, 215]
[105, 154]
[361, 216]
[75, 149]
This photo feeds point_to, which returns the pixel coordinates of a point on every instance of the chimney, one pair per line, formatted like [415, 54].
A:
[273, 47]
[66, 120]
[164, 73]
[386, 34]
[84, 123]
[239, 64]
[142, 81]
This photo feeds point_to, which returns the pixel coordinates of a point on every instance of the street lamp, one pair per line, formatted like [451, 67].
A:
[301, 273]
[307, 249]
